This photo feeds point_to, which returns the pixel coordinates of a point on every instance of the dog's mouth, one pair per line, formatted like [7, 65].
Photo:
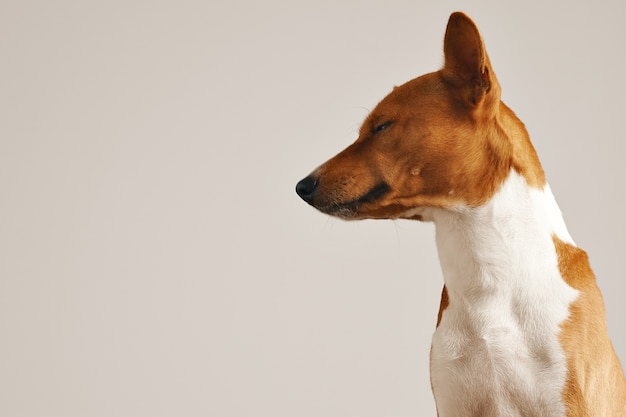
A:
[369, 205]
[351, 209]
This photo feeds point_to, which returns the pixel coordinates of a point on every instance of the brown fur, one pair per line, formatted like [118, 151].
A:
[443, 305]
[595, 381]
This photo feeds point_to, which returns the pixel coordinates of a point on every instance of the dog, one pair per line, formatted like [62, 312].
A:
[521, 330]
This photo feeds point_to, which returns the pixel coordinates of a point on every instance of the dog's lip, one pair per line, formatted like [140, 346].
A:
[374, 193]
[350, 208]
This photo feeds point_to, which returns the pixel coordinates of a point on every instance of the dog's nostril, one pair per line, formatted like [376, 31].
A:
[306, 188]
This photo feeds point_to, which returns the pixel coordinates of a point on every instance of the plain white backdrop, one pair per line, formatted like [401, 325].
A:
[154, 257]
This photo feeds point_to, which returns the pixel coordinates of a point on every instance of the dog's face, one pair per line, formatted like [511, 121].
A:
[412, 152]
[432, 142]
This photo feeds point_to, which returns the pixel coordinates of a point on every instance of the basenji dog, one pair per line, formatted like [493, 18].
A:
[521, 329]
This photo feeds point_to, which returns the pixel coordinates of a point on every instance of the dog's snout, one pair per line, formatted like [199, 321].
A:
[306, 188]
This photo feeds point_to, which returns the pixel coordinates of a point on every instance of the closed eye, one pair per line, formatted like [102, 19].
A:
[380, 127]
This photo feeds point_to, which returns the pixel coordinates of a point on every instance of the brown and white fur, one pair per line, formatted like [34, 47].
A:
[521, 330]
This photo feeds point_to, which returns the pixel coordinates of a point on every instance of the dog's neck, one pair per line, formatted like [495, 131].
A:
[506, 301]
[502, 246]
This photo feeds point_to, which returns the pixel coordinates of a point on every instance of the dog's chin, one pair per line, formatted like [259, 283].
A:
[348, 211]
[372, 210]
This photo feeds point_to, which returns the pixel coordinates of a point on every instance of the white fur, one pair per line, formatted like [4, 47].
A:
[496, 351]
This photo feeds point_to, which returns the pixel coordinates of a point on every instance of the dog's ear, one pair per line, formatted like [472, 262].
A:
[467, 66]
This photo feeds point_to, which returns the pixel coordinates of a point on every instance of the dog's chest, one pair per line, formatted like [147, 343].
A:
[500, 368]
[496, 351]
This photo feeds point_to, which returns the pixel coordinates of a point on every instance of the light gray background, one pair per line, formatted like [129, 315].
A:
[154, 258]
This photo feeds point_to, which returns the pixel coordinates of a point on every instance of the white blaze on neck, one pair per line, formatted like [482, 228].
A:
[497, 342]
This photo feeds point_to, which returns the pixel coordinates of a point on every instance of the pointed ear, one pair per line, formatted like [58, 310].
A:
[466, 62]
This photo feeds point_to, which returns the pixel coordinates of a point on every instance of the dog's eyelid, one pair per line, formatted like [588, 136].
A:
[382, 126]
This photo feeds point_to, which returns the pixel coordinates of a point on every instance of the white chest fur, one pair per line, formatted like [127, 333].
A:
[496, 351]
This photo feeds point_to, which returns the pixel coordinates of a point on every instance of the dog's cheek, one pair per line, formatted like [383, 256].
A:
[410, 182]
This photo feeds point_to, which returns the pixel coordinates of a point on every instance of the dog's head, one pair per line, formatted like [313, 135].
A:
[440, 140]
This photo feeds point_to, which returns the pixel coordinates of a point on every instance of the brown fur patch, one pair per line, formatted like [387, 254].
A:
[595, 384]
[445, 301]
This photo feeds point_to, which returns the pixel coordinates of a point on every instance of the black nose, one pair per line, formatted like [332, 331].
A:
[306, 188]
